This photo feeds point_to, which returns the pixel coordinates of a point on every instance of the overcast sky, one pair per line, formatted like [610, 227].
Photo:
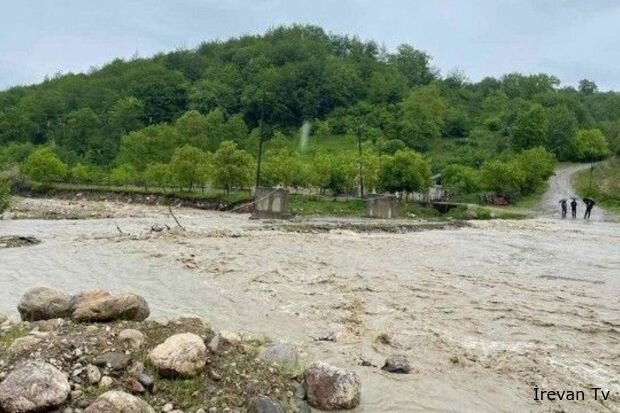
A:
[572, 39]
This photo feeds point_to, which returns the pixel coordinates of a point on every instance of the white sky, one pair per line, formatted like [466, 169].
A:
[572, 39]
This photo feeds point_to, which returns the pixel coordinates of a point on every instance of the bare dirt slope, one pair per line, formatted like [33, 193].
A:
[483, 313]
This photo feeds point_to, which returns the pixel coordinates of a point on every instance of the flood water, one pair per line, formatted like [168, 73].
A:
[483, 313]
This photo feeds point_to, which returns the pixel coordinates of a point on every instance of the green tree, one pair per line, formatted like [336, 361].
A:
[233, 167]
[461, 179]
[405, 171]
[414, 64]
[423, 116]
[387, 86]
[371, 166]
[502, 178]
[537, 165]
[82, 174]
[189, 166]
[284, 167]
[44, 166]
[158, 175]
[81, 132]
[153, 144]
[562, 127]
[587, 87]
[531, 128]
[125, 116]
[590, 145]
[192, 129]
[123, 175]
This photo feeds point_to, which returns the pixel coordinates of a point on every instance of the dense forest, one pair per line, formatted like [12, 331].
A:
[192, 116]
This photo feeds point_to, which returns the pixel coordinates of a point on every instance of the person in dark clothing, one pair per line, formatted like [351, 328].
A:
[564, 203]
[573, 208]
[589, 205]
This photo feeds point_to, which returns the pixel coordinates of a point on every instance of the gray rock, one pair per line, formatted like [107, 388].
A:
[280, 353]
[180, 355]
[44, 303]
[146, 380]
[93, 374]
[397, 364]
[98, 305]
[33, 386]
[263, 404]
[119, 402]
[113, 360]
[133, 338]
[331, 388]
[23, 345]
[106, 382]
[3, 319]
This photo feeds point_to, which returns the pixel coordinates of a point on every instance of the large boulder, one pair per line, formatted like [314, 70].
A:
[180, 355]
[44, 303]
[331, 388]
[118, 402]
[98, 305]
[33, 386]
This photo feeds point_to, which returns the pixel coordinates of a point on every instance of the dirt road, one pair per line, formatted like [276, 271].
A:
[483, 313]
[560, 187]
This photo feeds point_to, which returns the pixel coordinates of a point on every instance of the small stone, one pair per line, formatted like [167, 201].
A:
[119, 402]
[113, 360]
[168, 407]
[133, 338]
[106, 382]
[146, 380]
[181, 354]
[23, 345]
[134, 386]
[397, 364]
[263, 404]
[93, 374]
[224, 340]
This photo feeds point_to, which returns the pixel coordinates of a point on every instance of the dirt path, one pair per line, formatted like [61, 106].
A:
[483, 313]
[560, 186]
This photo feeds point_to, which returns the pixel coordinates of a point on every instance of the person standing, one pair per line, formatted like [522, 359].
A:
[589, 205]
[573, 208]
[564, 205]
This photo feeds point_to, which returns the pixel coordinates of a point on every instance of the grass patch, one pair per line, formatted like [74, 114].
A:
[603, 185]
[530, 201]
[326, 206]
[8, 337]
[199, 195]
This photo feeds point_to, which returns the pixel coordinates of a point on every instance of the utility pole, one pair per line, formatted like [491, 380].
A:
[260, 141]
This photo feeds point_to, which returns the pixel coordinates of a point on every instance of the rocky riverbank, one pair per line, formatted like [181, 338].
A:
[96, 352]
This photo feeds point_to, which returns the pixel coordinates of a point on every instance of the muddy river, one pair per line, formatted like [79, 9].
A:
[484, 313]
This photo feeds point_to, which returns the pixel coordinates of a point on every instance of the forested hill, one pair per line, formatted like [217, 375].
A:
[339, 84]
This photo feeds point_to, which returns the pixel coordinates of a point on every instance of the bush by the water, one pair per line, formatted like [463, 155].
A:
[5, 193]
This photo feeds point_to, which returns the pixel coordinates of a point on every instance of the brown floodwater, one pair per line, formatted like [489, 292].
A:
[484, 313]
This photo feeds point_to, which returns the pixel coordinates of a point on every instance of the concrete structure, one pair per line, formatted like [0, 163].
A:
[383, 206]
[271, 203]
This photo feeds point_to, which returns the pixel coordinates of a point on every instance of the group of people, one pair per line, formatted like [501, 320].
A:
[573, 207]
